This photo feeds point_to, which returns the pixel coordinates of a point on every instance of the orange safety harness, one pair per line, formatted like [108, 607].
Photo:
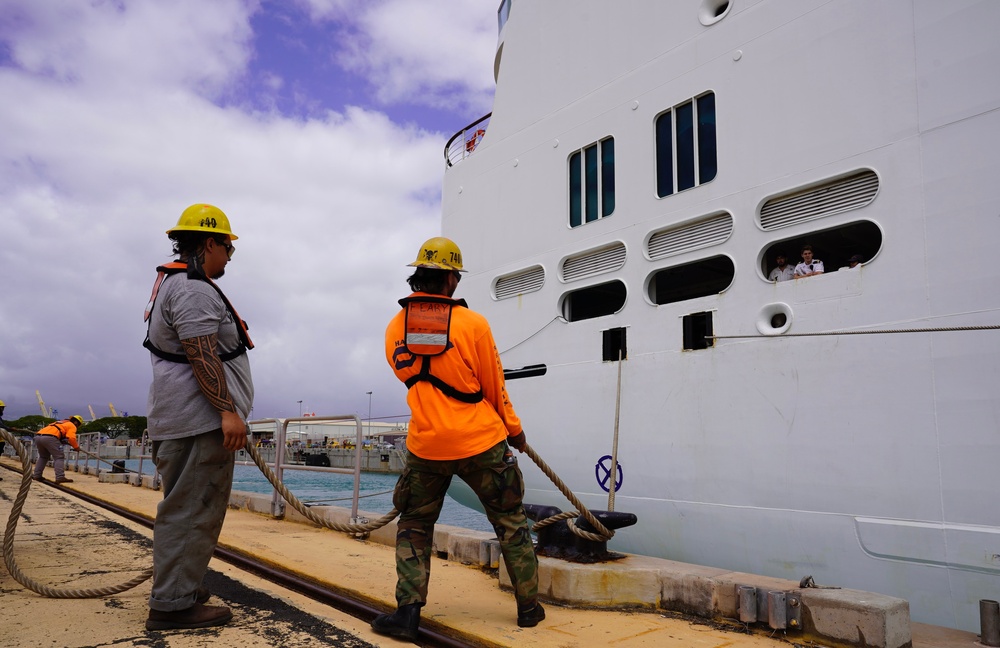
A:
[58, 426]
[428, 328]
[177, 267]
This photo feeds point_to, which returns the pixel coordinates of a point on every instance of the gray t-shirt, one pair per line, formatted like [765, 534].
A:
[188, 308]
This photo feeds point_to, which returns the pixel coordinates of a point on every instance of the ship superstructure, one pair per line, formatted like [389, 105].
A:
[621, 210]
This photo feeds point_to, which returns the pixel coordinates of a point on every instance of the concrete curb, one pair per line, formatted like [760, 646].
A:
[828, 616]
[837, 617]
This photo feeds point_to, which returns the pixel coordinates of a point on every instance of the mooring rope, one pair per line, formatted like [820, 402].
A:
[8, 541]
[355, 528]
[603, 533]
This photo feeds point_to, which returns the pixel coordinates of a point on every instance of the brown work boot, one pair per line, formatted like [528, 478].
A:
[38, 478]
[196, 616]
[64, 480]
[202, 595]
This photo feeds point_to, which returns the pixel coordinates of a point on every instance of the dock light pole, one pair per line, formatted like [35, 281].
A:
[300, 408]
[369, 414]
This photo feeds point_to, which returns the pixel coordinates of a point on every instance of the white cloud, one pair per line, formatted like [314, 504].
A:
[113, 132]
[433, 52]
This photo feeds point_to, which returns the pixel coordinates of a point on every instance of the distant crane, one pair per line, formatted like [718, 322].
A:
[45, 411]
[93, 417]
[111, 406]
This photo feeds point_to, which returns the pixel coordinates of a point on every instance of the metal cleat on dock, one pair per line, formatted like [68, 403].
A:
[556, 540]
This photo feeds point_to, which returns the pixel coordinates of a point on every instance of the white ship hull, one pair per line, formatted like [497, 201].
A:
[866, 461]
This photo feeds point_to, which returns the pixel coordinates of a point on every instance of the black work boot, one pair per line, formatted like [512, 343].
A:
[529, 617]
[402, 623]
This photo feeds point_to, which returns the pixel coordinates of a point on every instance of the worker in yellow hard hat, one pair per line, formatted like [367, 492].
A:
[199, 401]
[461, 423]
[49, 442]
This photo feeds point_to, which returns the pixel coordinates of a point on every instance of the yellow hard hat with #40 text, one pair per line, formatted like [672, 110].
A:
[439, 253]
[203, 218]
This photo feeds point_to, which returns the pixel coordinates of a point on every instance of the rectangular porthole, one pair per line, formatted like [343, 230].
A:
[614, 346]
[698, 331]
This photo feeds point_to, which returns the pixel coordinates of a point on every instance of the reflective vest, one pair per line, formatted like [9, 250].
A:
[177, 267]
[427, 326]
[65, 431]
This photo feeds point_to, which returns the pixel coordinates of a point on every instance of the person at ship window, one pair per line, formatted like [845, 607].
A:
[783, 271]
[461, 424]
[199, 401]
[854, 262]
[809, 265]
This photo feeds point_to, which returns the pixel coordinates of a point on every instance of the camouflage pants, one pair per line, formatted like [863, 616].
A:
[419, 496]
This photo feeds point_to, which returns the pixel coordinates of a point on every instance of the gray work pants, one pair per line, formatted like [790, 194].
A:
[49, 447]
[197, 477]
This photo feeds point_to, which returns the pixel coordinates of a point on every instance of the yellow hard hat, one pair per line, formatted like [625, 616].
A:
[76, 418]
[203, 218]
[3, 404]
[439, 253]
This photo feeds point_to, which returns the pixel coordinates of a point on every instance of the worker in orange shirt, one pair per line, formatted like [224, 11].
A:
[461, 423]
[49, 441]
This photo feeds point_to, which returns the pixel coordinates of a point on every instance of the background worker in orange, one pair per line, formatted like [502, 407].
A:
[49, 442]
[461, 422]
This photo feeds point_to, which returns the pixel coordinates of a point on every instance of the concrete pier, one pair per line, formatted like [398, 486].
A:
[637, 601]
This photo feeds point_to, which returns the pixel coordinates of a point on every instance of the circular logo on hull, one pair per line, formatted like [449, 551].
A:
[602, 472]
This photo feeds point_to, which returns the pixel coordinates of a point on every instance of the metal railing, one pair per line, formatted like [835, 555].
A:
[464, 142]
[90, 442]
[279, 466]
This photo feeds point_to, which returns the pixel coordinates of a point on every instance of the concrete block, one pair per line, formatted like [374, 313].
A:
[631, 582]
[113, 478]
[470, 547]
[855, 617]
[385, 535]
[442, 538]
[148, 481]
[691, 589]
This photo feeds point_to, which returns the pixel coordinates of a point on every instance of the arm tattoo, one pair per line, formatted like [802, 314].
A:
[208, 370]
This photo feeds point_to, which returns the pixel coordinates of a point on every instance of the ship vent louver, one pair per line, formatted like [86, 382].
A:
[692, 236]
[834, 197]
[593, 263]
[525, 281]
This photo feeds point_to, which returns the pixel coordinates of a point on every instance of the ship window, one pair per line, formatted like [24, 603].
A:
[834, 247]
[697, 279]
[592, 182]
[613, 347]
[698, 331]
[595, 301]
[686, 154]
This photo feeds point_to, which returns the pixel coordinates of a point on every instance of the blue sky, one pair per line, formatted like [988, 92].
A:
[316, 125]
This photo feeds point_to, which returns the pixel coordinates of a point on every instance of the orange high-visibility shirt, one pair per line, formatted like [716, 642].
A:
[61, 430]
[441, 427]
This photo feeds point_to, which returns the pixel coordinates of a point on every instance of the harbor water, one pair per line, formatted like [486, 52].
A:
[331, 489]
